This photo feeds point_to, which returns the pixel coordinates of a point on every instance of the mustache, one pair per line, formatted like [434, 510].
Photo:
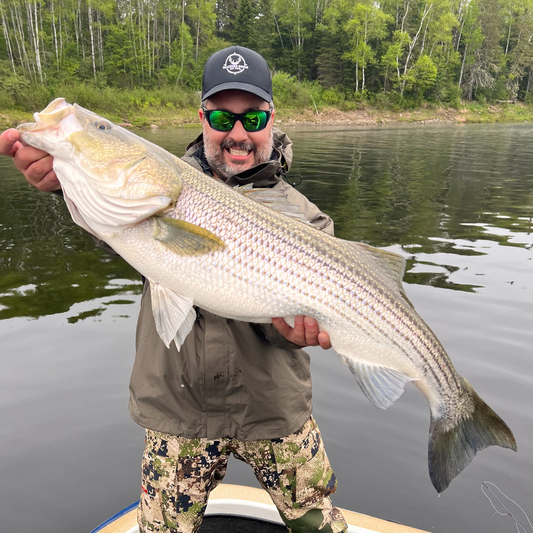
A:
[230, 143]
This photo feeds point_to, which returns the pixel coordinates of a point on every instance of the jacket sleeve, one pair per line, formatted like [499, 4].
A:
[322, 222]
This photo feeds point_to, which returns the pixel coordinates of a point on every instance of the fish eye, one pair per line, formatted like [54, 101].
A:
[103, 126]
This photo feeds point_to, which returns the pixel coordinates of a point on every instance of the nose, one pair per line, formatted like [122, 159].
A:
[238, 133]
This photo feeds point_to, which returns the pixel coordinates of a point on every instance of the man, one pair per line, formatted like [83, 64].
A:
[235, 387]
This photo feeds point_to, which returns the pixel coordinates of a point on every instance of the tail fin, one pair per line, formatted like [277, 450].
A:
[452, 448]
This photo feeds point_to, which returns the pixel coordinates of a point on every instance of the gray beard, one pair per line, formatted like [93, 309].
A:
[215, 155]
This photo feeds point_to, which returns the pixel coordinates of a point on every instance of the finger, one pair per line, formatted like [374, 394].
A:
[41, 172]
[9, 142]
[324, 340]
[26, 156]
[311, 331]
[298, 332]
[281, 326]
[49, 183]
[37, 167]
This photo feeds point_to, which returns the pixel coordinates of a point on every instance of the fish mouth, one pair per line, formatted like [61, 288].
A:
[52, 115]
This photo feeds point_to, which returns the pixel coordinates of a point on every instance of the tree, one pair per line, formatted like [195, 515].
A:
[244, 32]
[367, 22]
[296, 17]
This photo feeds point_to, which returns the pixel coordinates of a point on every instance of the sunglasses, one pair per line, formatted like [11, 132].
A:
[251, 121]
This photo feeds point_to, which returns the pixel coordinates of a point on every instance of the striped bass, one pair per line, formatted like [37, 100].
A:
[243, 255]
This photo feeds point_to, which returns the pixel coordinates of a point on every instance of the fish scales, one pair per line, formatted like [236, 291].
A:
[233, 253]
[245, 224]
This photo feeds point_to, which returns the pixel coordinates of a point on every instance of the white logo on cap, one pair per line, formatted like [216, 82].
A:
[235, 64]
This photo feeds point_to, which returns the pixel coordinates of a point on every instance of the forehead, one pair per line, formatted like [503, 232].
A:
[237, 101]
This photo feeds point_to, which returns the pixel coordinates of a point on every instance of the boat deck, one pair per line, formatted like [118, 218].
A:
[254, 511]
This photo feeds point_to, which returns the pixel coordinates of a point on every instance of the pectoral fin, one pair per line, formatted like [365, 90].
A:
[174, 314]
[381, 385]
[184, 238]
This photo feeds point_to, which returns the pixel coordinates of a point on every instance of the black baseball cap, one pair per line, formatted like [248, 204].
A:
[240, 68]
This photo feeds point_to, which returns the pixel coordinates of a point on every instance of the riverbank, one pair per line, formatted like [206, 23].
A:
[468, 113]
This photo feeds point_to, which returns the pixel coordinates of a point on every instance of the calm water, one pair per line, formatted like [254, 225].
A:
[456, 201]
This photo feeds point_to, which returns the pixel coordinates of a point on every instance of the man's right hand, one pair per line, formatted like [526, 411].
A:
[35, 164]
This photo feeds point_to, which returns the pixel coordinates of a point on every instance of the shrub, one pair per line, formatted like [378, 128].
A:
[449, 93]
[33, 98]
[332, 97]
[290, 93]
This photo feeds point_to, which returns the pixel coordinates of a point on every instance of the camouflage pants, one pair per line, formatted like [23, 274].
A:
[178, 474]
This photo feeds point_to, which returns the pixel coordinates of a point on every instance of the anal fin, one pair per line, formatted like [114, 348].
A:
[174, 314]
[381, 385]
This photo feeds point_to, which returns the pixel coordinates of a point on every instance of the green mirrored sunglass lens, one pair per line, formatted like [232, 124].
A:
[254, 121]
[224, 120]
[221, 120]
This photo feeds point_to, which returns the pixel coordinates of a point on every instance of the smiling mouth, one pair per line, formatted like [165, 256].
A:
[238, 153]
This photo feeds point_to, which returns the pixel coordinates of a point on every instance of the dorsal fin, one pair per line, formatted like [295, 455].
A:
[390, 263]
[274, 199]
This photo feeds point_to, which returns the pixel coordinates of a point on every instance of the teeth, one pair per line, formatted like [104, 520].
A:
[239, 153]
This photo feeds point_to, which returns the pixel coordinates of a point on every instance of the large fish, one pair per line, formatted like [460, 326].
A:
[235, 254]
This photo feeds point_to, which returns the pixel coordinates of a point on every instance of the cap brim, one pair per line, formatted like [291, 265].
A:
[238, 86]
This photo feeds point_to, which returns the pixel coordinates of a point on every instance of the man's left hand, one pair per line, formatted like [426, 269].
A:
[304, 333]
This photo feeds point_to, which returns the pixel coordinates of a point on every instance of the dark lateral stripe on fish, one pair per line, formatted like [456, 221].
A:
[438, 373]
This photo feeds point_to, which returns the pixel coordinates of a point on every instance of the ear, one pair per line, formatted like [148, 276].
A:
[201, 114]
[272, 115]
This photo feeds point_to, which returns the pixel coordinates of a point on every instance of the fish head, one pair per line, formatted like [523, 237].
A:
[101, 165]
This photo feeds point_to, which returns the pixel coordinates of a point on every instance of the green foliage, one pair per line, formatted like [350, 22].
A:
[10, 86]
[17, 92]
[423, 75]
[332, 97]
[244, 33]
[338, 52]
[448, 93]
[528, 99]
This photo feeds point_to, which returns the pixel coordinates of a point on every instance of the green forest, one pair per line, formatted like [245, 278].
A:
[321, 52]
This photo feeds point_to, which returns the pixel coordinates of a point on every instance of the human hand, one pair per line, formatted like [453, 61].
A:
[304, 333]
[35, 164]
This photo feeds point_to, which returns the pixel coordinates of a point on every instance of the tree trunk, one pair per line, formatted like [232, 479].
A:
[100, 40]
[182, 42]
[197, 34]
[19, 38]
[463, 65]
[80, 22]
[279, 32]
[8, 41]
[91, 33]
[133, 41]
[34, 25]
[54, 32]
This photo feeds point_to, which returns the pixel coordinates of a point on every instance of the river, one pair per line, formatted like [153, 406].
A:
[456, 201]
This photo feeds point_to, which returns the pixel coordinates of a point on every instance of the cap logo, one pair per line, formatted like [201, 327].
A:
[235, 64]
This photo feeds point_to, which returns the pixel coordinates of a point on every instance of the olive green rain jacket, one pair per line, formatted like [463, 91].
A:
[230, 378]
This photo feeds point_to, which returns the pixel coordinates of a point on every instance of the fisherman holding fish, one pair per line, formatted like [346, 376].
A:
[233, 387]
